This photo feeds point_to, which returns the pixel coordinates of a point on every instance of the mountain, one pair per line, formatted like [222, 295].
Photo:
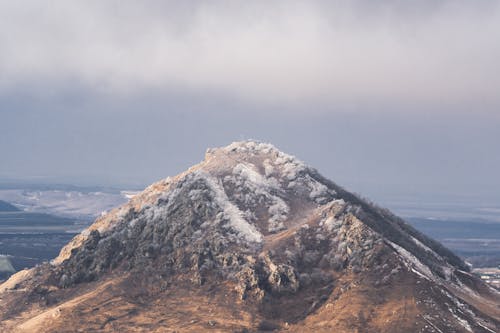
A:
[251, 239]
[7, 207]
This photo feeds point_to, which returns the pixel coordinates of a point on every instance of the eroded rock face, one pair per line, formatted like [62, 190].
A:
[256, 219]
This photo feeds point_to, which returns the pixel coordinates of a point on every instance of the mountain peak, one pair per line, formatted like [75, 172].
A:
[263, 156]
[282, 242]
[248, 147]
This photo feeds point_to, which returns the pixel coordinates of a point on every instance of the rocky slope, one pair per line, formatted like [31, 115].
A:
[250, 239]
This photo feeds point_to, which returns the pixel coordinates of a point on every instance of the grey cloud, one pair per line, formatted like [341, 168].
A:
[340, 53]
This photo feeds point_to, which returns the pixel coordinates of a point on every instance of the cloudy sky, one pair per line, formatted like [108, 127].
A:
[381, 96]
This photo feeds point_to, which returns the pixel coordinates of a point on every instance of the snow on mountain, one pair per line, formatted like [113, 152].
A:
[262, 238]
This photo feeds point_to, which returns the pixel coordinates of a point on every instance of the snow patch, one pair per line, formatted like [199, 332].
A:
[414, 264]
[423, 246]
[258, 188]
[463, 322]
[319, 192]
[462, 308]
[230, 212]
[268, 167]
[426, 248]
[278, 212]
[486, 328]
[290, 167]
[248, 173]
[287, 167]
[250, 147]
[331, 223]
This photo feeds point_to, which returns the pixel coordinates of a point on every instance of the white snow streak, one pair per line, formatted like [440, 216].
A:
[462, 322]
[416, 265]
[230, 211]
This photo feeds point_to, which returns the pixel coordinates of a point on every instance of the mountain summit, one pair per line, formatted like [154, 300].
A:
[250, 239]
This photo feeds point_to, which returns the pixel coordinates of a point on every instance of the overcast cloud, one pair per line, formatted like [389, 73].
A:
[342, 53]
[380, 95]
